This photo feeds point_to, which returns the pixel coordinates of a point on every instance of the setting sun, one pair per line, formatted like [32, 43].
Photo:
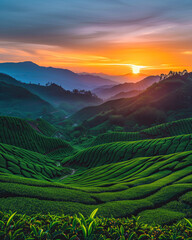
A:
[135, 69]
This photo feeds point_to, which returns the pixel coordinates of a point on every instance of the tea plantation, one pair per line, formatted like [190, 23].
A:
[183, 126]
[146, 174]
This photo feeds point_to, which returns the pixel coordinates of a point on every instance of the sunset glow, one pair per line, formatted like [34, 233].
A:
[135, 69]
[100, 36]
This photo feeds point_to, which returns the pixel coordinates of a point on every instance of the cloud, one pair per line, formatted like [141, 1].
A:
[85, 23]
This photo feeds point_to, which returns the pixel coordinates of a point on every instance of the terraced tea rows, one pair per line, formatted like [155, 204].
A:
[174, 128]
[18, 132]
[148, 177]
[122, 151]
[157, 185]
[136, 171]
[44, 127]
[29, 164]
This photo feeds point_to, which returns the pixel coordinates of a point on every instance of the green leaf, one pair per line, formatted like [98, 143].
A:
[52, 225]
[74, 223]
[73, 237]
[40, 232]
[17, 232]
[143, 236]
[93, 213]
[34, 230]
[187, 220]
[2, 223]
[55, 234]
[84, 230]
[82, 218]
[90, 228]
[131, 236]
[122, 230]
[10, 219]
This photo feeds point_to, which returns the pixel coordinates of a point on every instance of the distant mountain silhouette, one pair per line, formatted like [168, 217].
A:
[129, 77]
[69, 101]
[18, 101]
[169, 99]
[31, 72]
[125, 94]
[107, 92]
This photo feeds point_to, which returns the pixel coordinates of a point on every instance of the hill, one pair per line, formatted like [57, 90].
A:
[157, 186]
[175, 128]
[31, 72]
[128, 176]
[125, 95]
[19, 133]
[169, 99]
[108, 92]
[18, 101]
[121, 151]
[69, 101]
[128, 77]
[145, 173]
[21, 162]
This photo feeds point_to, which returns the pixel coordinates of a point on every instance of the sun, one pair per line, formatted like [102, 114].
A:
[135, 69]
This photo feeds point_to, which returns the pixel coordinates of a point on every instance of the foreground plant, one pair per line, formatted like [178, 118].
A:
[51, 227]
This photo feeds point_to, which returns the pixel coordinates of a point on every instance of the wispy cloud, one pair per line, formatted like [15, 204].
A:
[91, 30]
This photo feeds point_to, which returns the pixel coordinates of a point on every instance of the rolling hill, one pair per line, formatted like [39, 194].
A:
[166, 100]
[125, 95]
[19, 133]
[18, 101]
[107, 92]
[145, 173]
[69, 101]
[129, 176]
[128, 77]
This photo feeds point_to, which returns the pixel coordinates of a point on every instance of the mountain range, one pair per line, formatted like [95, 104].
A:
[30, 72]
[165, 100]
[107, 92]
[129, 77]
[18, 98]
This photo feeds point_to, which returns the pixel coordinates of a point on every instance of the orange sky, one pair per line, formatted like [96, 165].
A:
[115, 61]
[98, 36]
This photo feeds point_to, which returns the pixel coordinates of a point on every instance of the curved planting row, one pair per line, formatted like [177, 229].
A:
[136, 172]
[116, 137]
[183, 126]
[25, 163]
[175, 128]
[122, 151]
[44, 127]
[159, 186]
[18, 132]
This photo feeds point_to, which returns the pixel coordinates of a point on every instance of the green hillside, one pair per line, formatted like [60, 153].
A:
[167, 100]
[18, 132]
[21, 162]
[122, 151]
[159, 185]
[146, 173]
[18, 101]
[174, 128]
[44, 127]
[54, 94]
